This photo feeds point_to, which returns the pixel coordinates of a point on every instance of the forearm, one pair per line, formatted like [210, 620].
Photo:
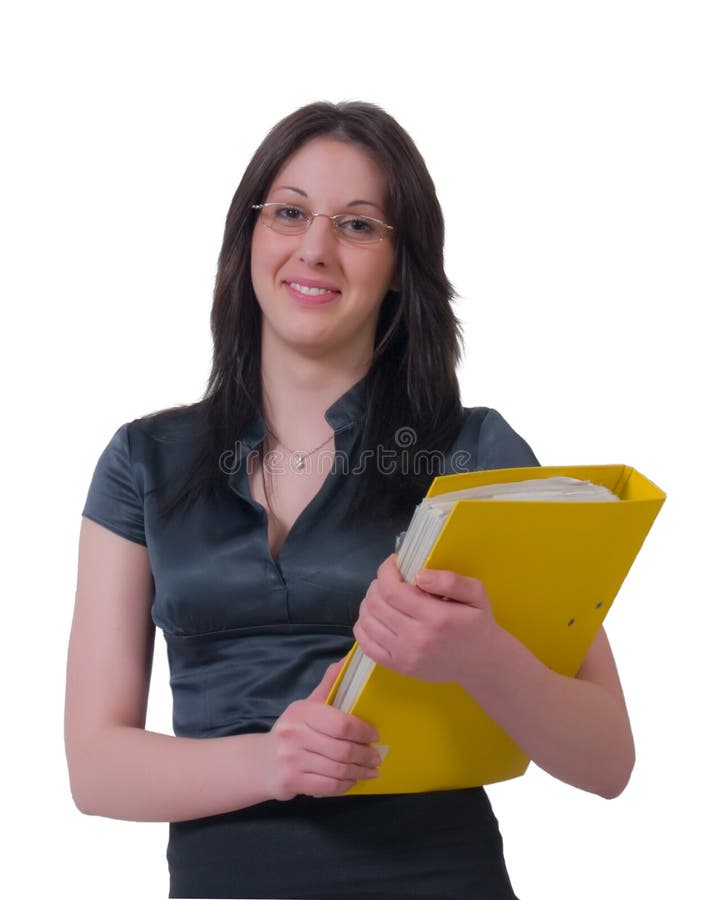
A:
[574, 729]
[129, 773]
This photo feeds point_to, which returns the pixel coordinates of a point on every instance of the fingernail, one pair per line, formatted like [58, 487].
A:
[424, 576]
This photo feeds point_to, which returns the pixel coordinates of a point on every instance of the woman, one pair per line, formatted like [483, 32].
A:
[256, 529]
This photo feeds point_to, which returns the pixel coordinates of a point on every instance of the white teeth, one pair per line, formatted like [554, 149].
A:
[310, 291]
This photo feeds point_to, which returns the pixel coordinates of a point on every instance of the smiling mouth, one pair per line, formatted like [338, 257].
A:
[311, 291]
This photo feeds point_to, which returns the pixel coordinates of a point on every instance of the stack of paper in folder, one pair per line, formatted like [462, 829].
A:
[552, 547]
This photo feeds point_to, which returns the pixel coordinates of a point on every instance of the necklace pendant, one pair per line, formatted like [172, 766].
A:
[299, 461]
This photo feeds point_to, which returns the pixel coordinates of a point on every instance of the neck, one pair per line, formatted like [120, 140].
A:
[298, 390]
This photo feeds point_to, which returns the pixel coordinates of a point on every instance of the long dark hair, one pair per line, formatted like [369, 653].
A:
[411, 382]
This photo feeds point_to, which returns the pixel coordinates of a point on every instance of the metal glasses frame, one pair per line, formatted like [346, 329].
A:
[308, 218]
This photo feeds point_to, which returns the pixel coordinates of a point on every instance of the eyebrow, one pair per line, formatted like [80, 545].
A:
[288, 187]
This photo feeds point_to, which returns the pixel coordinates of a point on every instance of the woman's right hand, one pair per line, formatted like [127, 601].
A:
[318, 750]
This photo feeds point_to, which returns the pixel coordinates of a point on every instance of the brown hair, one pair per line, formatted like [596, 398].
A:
[412, 380]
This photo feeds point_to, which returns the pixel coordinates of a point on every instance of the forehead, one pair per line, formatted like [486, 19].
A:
[327, 166]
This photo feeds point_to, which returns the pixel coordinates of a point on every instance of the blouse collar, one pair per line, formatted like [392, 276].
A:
[348, 410]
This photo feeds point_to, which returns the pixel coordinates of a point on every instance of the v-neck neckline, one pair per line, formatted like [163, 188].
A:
[342, 415]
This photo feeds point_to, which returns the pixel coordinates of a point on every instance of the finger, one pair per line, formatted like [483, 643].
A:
[321, 786]
[460, 588]
[388, 572]
[376, 628]
[337, 724]
[378, 608]
[408, 603]
[405, 599]
[322, 690]
[363, 756]
[317, 764]
[377, 652]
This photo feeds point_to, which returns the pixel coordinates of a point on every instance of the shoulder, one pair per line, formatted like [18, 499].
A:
[157, 445]
[142, 456]
[487, 441]
[175, 425]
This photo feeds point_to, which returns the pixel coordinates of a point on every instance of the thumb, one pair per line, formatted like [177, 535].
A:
[321, 691]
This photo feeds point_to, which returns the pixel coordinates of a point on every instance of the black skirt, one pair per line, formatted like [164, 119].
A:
[443, 845]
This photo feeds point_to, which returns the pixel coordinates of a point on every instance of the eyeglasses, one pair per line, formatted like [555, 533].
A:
[285, 218]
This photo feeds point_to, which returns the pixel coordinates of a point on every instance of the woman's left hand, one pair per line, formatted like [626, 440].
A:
[439, 629]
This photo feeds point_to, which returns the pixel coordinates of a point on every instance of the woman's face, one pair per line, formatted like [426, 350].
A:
[324, 176]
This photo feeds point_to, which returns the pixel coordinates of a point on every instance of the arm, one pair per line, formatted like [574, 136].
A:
[119, 769]
[442, 629]
[577, 729]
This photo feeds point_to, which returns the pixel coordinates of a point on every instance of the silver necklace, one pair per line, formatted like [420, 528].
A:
[299, 458]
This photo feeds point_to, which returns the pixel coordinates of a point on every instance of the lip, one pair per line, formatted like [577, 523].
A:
[306, 299]
[309, 282]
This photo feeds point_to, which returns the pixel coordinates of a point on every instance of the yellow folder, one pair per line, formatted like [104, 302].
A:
[552, 571]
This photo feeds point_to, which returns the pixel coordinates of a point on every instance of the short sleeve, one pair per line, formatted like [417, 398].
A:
[114, 500]
[500, 447]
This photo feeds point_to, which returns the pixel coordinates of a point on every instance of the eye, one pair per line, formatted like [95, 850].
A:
[285, 213]
[359, 225]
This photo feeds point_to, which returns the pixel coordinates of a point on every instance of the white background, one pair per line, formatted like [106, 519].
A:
[564, 141]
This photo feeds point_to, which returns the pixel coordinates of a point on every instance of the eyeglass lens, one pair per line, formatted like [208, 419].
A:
[287, 219]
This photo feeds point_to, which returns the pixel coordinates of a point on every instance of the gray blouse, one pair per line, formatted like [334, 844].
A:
[246, 633]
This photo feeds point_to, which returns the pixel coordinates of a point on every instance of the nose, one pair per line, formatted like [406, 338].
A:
[317, 243]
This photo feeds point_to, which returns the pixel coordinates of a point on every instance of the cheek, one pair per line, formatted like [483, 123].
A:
[379, 274]
[264, 260]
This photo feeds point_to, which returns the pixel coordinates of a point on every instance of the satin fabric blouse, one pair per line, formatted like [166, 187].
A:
[248, 634]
